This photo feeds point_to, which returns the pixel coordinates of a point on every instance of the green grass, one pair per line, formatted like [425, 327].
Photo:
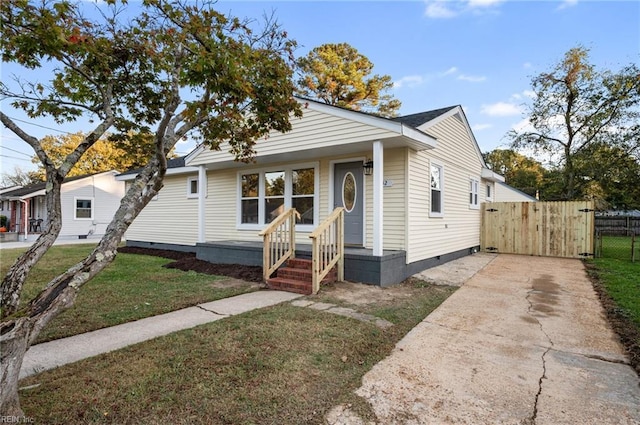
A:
[278, 365]
[617, 278]
[619, 275]
[131, 288]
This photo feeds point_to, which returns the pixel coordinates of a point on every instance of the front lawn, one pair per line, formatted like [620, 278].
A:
[131, 288]
[278, 365]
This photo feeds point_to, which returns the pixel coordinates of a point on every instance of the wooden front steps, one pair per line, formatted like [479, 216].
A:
[296, 277]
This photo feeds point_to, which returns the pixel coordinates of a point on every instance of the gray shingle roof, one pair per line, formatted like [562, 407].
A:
[35, 187]
[416, 120]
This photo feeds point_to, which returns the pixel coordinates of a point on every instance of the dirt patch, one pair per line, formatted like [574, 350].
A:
[359, 294]
[621, 324]
[186, 261]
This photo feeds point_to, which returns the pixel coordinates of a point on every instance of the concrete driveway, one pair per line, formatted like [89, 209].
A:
[524, 341]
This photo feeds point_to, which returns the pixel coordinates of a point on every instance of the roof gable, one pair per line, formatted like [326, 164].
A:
[33, 189]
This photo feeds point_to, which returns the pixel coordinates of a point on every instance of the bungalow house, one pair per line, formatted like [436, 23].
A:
[411, 188]
[88, 205]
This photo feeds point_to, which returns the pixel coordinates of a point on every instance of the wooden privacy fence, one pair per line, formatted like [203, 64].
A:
[549, 229]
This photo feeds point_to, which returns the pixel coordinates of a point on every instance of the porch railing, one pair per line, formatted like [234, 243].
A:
[328, 248]
[279, 242]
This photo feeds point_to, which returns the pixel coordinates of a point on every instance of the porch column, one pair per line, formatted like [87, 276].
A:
[378, 175]
[202, 192]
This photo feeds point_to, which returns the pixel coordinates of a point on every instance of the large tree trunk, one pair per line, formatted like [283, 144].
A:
[14, 343]
[20, 329]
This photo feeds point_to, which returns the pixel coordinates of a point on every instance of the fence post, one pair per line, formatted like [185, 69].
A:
[633, 247]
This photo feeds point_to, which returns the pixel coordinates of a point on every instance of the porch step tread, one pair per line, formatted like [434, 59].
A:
[290, 285]
[300, 263]
[305, 275]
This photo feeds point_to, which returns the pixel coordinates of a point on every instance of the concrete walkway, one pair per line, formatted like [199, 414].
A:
[524, 341]
[59, 352]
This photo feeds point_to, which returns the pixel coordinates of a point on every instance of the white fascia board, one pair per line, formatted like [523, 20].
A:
[170, 172]
[492, 176]
[372, 120]
[194, 153]
[429, 142]
[450, 113]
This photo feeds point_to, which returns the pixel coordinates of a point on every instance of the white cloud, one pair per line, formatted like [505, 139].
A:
[529, 93]
[483, 3]
[443, 9]
[523, 126]
[439, 10]
[472, 78]
[409, 81]
[527, 65]
[566, 4]
[501, 109]
[480, 127]
[449, 71]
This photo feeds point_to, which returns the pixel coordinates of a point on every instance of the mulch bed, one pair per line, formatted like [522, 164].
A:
[627, 331]
[187, 261]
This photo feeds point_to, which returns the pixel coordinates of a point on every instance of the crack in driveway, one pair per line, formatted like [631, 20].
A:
[534, 415]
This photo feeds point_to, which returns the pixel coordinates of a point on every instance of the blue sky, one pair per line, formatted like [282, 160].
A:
[480, 54]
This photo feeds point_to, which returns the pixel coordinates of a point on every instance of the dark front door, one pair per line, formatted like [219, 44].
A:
[348, 193]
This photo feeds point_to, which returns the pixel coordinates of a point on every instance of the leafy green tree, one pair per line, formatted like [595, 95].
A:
[519, 171]
[610, 176]
[339, 75]
[576, 106]
[123, 71]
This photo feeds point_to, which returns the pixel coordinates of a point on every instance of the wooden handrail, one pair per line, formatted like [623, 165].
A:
[328, 248]
[279, 242]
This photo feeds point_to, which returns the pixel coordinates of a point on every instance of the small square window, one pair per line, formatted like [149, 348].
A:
[192, 187]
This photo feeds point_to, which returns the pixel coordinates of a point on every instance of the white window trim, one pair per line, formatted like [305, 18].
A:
[474, 190]
[442, 190]
[75, 207]
[489, 192]
[288, 192]
[189, 193]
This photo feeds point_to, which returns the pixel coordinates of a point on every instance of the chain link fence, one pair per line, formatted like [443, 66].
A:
[617, 237]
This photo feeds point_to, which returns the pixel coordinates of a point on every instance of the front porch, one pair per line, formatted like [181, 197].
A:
[360, 264]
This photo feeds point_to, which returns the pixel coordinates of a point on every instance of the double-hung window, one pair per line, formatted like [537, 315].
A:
[83, 209]
[474, 187]
[266, 194]
[437, 190]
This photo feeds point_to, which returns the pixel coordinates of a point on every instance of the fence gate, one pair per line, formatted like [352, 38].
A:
[549, 229]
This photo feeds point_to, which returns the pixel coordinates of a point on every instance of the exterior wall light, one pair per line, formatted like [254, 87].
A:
[368, 167]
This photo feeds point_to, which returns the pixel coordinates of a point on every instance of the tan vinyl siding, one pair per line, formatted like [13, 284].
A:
[171, 218]
[314, 130]
[459, 228]
[394, 212]
[222, 207]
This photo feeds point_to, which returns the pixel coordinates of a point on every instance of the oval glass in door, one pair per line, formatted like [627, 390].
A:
[349, 191]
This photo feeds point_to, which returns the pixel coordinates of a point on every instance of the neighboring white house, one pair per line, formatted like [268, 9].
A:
[88, 205]
[506, 193]
[415, 205]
